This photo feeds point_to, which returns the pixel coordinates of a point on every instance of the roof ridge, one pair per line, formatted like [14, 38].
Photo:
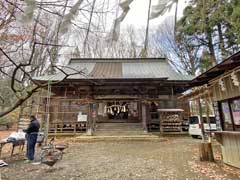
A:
[75, 60]
[116, 58]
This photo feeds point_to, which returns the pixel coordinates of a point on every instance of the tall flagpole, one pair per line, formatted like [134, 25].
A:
[145, 50]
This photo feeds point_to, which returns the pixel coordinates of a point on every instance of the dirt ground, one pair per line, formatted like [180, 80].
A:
[174, 159]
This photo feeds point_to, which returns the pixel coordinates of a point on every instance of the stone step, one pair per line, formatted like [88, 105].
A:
[145, 137]
[118, 125]
[123, 124]
[118, 129]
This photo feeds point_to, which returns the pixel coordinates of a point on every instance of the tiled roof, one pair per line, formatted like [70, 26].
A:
[118, 69]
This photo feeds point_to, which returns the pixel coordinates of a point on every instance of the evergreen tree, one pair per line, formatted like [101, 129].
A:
[213, 25]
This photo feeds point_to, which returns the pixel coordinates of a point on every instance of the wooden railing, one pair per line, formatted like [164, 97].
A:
[73, 127]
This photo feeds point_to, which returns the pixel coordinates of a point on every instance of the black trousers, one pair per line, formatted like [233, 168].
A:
[31, 142]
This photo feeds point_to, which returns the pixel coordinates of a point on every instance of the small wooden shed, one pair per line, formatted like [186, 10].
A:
[221, 85]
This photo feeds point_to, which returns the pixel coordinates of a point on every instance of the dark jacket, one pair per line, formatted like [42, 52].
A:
[33, 127]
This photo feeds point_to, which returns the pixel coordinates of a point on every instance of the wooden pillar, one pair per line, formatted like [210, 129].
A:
[160, 122]
[92, 118]
[140, 110]
[201, 120]
[205, 148]
[144, 117]
[181, 119]
[89, 121]
[208, 119]
[74, 128]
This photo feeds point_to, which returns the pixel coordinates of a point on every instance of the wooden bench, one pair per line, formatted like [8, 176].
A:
[19, 143]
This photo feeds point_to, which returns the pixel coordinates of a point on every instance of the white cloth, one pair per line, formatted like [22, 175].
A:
[17, 135]
[115, 30]
[161, 8]
[69, 16]
[124, 4]
[2, 163]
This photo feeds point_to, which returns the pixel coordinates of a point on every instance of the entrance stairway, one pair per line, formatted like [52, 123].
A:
[119, 129]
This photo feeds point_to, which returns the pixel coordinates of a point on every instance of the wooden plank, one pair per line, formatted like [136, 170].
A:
[236, 150]
[231, 149]
[144, 116]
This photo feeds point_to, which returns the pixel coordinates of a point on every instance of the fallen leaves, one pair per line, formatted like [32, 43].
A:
[207, 169]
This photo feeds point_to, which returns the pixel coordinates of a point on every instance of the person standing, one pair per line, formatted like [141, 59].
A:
[31, 136]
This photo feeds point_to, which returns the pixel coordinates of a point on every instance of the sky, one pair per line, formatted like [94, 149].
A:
[137, 15]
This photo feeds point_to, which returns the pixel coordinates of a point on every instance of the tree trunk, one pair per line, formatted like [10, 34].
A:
[209, 31]
[211, 48]
[221, 41]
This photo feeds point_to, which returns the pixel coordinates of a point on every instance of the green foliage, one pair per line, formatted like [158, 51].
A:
[3, 120]
[9, 119]
[204, 61]
[213, 25]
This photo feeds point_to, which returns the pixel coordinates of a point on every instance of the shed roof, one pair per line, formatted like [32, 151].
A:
[127, 68]
[218, 70]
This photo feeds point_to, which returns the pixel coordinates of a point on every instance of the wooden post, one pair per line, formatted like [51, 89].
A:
[144, 117]
[139, 110]
[206, 152]
[208, 120]
[201, 120]
[181, 119]
[74, 129]
[47, 112]
[160, 122]
[205, 148]
[89, 127]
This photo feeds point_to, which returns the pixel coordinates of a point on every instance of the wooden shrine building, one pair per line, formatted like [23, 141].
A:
[114, 91]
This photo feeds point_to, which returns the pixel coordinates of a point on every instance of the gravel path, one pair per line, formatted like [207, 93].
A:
[175, 159]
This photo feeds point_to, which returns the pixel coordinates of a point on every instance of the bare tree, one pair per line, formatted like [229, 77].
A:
[182, 53]
[33, 35]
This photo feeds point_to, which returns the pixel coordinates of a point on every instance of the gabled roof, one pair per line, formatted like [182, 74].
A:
[127, 68]
[216, 71]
